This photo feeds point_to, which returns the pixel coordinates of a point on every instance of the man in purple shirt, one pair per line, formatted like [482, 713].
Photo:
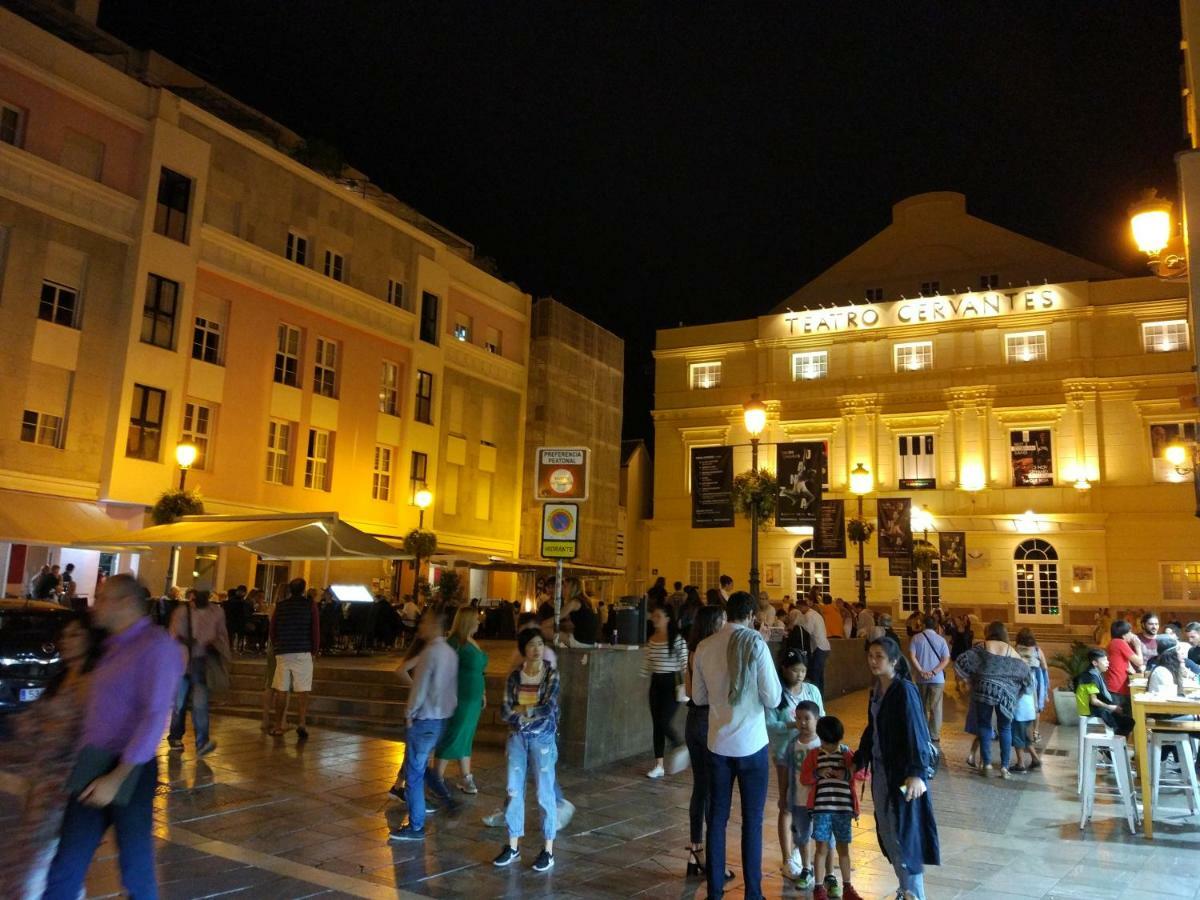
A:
[132, 691]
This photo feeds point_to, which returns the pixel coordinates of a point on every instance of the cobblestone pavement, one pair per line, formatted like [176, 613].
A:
[265, 817]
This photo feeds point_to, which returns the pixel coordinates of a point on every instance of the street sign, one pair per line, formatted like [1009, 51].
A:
[562, 473]
[560, 530]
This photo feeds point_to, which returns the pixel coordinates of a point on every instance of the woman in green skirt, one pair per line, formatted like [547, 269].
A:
[460, 730]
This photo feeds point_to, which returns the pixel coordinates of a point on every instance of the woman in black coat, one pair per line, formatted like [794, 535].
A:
[896, 747]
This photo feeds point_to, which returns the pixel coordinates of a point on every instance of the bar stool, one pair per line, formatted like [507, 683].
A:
[1176, 776]
[1117, 749]
[1084, 722]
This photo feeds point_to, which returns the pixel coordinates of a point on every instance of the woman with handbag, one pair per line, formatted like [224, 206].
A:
[664, 659]
[199, 626]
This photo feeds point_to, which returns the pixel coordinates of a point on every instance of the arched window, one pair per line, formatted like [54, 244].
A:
[810, 572]
[1037, 578]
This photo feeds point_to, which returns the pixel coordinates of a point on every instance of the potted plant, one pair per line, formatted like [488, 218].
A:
[756, 490]
[1074, 662]
[859, 530]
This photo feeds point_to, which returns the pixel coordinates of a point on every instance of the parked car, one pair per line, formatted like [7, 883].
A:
[28, 655]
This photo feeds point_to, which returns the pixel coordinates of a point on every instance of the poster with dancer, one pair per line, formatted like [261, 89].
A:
[895, 527]
[952, 551]
[799, 468]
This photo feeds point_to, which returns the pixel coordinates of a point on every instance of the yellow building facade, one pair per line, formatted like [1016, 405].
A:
[1015, 393]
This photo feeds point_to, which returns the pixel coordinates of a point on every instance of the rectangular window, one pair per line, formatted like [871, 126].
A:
[381, 474]
[913, 585]
[206, 341]
[429, 318]
[418, 472]
[41, 428]
[318, 459]
[1180, 438]
[158, 312]
[449, 492]
[145, 423]
[198, 421]
[483, 495]
[59, 304]
[704, 375]
[931, 288]
[12, 124]
[297, 248]
[287, 355]
[914, 357]
[810, 364]
[389, 389]
[462, 327]
[915, 462]
[874, 295]
[1027, 346]
[1032, 457]
[989, 282]
[395, 293]
[705, 573]
[174, 200]
[279, 452]
[424, 409]
[1180, 581]
[491, 339]
[325, 368]
[1164, 337]
[335, 266]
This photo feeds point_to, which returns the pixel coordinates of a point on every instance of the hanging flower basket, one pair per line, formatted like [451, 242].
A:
[175, 504]
[756, 490]
[924, 554]
[420, 543]
[859, 530]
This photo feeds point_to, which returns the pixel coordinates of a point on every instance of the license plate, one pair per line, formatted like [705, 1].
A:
[28, 695]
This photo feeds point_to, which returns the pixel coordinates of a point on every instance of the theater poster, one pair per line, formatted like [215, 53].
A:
[899, 566]
[829, 534]
[712, 487]
[895, 527]
[952, 551]
[1032, 458]
[800, 469]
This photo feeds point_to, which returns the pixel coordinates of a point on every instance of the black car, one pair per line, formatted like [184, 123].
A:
[29, 658]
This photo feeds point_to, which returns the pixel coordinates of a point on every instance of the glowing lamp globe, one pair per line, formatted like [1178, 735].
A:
[1150, 221]
[921, 519]
[860, 480]
[1175, 453]
[754, 414]
[423, 498]
[185, 455]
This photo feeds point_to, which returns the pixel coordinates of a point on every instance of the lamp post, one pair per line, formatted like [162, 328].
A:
[754, 415]
[423, 499]
[922, 521]
[860, 486]
[185, 455]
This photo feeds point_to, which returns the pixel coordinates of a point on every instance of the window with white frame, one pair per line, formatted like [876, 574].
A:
[41, 428]
[59, 304]
[381, 473]
[1162, 436]
[12, 124]
[1037, 578]
[389, 389]
[297, 248]
[914, 357]
[318, 459]
[325, 368]
[1025, 346]
[704, 574]
[1165, 337]
[287, 355]
[395, 293]
[279, 451]
[810, 573]
[916, 463]
[335, 265]
[199, 420]
[1180, 581]
[914, 584]
[810, 364]
[704, 375]
[206, 341]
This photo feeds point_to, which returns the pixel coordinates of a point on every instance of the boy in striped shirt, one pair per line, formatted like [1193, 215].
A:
[829, 770]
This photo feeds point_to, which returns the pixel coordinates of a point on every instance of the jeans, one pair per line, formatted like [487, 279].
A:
[753, 774]
[422, 737]
[816, 668]
[931, 699]
[663, 707]
[700, 808]
[539, 752]
[83, 828]
[888, 834]
[192, 683]
[983, 721]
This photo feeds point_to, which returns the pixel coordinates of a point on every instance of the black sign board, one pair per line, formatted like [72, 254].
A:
[895, 527]
[829, 534]
[712, 487]
[800, 469]
[900, 565]
[952, 551]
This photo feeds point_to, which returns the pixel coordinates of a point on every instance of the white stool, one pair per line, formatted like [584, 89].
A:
[1092, 744]
[1084, 722]
[1181, 775]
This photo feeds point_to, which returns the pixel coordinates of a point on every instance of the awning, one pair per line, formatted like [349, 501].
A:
[46, 521]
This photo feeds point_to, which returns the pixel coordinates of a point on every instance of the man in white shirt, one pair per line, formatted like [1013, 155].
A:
[818, 640]
[866, 621]
[733, 675]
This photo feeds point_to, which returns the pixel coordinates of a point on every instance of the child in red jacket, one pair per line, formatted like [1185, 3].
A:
[829, 769]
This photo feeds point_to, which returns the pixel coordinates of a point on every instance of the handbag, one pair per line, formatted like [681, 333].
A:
[216, 661]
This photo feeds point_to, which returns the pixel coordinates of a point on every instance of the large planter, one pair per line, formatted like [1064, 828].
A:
[1065, 709]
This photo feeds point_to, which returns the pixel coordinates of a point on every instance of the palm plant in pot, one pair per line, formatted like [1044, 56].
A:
[1074, 662]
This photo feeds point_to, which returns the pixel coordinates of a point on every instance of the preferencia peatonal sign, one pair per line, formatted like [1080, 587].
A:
[562, 473]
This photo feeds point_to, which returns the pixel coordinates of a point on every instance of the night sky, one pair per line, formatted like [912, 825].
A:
[657, 163]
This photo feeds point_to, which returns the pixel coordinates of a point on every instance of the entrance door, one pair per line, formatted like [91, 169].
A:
[1037, 582]
[271, 578]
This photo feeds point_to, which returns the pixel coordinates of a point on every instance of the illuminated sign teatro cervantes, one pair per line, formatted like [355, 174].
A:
[922, 310]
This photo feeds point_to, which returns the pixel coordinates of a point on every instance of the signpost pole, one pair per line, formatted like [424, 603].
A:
[558, 581]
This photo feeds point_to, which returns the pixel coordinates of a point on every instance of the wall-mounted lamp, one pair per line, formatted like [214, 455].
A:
[1176, 453]
[1153, 229]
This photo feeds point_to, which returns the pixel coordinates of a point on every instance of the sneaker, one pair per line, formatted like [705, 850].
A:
[544, 862]
[174, 744]
[208, 748]
[678, 760]
[832, 887]
[820, 893]
[1005, 774]
[806, 880]
[850, 893]
[790, 870]
[467, 785]
[797, 858]
[396, 791]
[656, 772]
[507, 856]
[406, 833]
[496, 819]
[566, 811]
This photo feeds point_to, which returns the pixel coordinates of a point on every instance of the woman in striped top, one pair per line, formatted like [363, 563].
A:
[664, 659]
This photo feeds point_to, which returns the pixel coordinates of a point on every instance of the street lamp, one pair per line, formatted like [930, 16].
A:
[424, 499]
[1151, 223]
[1176, 454]
[754, 415]
[185, 455]
[860, 485]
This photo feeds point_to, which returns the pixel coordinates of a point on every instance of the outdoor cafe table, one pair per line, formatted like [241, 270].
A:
[1144, 706]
